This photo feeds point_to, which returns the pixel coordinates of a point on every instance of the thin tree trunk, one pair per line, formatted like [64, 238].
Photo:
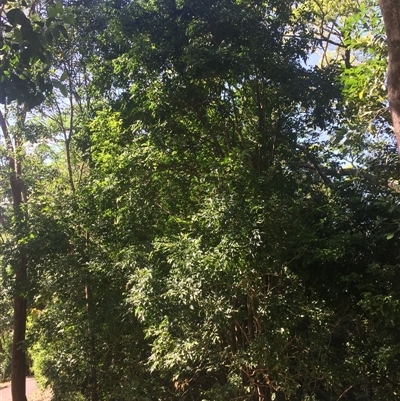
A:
[18, 361]
[18, 366]
[391, 16]
[92, 390]
[69, 136]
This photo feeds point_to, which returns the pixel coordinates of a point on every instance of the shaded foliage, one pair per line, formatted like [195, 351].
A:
[223, 228]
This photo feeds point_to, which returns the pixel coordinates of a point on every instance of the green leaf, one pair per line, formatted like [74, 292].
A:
[18, 35]
[59, 8]
[64, 76]
[61, 87]
[52, 14]
[50, 20]
[69, 19]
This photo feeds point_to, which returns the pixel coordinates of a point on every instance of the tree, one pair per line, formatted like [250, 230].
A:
[215, 246]
[25, 57]
[189, 186]
[391, 16]
[184, 188]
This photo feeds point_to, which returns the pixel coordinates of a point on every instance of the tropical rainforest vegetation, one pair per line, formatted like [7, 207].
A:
[199, 201]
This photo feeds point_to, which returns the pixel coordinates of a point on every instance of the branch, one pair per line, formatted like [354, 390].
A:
[351, 172]
[331, 42]
[317, 167]
[6, 134]
[340, 172]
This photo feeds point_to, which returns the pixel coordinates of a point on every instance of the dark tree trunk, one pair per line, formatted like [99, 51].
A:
[391, 16]
[18, 361]
[18, 369]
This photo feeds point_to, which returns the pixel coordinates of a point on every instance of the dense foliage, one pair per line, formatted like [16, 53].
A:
[212, 205]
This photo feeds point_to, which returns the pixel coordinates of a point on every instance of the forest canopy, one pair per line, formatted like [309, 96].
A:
[199, 200]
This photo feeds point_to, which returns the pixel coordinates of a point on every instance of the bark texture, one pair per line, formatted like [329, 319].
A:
[18, 360]
[18, 383]
[391, 16]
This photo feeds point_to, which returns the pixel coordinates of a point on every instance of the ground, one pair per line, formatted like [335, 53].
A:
[34, 393]
[40, 396]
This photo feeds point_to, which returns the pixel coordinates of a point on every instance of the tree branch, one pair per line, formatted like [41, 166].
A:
[316, 166]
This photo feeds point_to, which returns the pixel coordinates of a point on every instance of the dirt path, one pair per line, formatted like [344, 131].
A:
[32, 392]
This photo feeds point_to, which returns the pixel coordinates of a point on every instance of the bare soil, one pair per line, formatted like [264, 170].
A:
[38, 395]
[41, 395]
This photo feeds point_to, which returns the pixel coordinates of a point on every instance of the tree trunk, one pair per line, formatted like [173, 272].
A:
[18, 361]
[92, 389]
[18, 366]
[391, 16]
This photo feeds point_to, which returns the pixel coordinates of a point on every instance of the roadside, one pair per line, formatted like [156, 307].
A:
[32, 391]
[40, 395]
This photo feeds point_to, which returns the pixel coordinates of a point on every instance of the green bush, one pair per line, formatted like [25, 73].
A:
[5, 355]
